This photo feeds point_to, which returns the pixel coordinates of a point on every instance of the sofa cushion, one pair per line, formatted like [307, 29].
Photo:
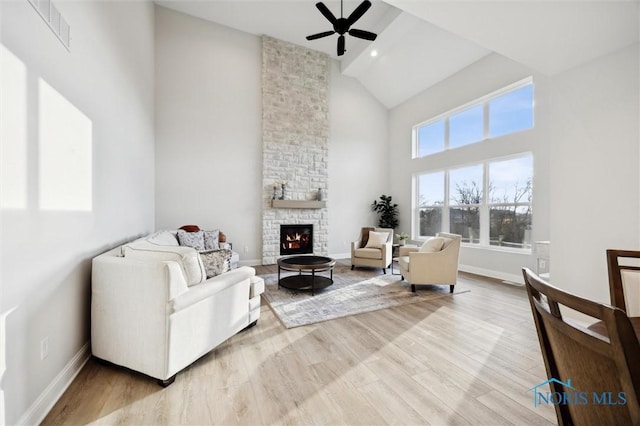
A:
[377, 239]
[432, 245]
[164, 238]
[211, 239]
[187, 257]
[368, 253]
[216, 262]
[191, 239]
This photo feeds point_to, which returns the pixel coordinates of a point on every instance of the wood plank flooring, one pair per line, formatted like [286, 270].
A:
[465, 359]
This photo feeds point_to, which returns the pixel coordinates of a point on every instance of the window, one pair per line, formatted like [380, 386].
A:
[506, 111]
[430, 202]
[510, 202]
[488, 203]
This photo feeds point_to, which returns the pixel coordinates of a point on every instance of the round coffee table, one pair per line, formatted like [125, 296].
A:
[305, 265]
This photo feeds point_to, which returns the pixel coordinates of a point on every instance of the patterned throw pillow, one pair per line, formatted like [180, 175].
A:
[211, 239]
[216, 262]
[191, 239]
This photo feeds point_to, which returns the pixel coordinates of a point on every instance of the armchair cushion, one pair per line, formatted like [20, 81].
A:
[369, 253]
[432, 245]
[364, 235]
[377, 239]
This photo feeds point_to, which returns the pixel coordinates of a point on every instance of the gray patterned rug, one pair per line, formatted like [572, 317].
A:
[353, 292]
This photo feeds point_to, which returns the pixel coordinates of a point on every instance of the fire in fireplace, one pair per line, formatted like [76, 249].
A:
[296, 239]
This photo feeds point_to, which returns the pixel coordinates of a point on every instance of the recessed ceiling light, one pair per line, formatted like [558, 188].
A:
[374, 53]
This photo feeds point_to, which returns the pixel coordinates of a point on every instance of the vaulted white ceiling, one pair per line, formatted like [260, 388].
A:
[422, 42]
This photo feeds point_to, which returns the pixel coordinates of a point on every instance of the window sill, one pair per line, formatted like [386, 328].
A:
[527, 251]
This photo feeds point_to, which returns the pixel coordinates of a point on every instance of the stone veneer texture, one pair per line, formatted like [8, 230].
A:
[295, 132]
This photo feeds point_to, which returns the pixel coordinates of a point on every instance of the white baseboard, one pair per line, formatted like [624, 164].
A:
[504, 276]
[250, 262]
[340, 255]
[48, 398]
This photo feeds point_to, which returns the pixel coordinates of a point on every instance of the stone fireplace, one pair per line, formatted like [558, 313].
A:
[295, 133]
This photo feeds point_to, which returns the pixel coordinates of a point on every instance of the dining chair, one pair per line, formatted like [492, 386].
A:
[615, 266]
[593, 364]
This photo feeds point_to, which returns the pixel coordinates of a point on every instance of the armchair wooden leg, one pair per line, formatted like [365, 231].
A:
[352, 266]
[451, 289]
[413, 288]
[384, 271]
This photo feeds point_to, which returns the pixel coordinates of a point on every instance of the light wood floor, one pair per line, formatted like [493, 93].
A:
[465, 359]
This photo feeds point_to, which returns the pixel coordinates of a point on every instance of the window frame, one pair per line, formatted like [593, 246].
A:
[484, 101]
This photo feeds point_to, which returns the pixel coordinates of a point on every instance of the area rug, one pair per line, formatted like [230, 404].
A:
[353, 292]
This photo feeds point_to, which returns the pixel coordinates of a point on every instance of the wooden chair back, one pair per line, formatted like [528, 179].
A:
[615, 268]
[594, 364]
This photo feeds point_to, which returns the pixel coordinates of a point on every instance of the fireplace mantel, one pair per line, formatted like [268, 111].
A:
[298, 204]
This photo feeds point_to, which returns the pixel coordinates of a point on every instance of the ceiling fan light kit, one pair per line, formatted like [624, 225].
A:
[343, 25]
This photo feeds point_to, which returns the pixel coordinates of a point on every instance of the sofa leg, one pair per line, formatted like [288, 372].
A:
[250, 325]
[352, 266]
[384, 271]
[167, 382]
[413, 288]
[450, 289]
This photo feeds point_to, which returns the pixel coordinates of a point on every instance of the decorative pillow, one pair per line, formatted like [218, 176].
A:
[432, 245]
[377, 239]
[211, 239]
[216, 262]
[364, 236]
[190, 228]
[191, 239]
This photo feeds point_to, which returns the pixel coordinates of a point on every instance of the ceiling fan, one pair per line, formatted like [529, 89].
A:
[343, 25]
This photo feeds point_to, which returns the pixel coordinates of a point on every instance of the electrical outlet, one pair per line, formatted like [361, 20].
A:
[44, 348]
[246, 249]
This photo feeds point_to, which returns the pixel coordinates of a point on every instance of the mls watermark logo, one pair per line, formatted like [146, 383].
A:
[572, 396]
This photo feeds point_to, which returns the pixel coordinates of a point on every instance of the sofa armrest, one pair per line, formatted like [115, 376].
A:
[404, 250]
[211, 286]
[354, 246]
[387, 252]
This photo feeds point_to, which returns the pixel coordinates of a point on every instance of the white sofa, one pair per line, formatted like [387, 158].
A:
[154, 311]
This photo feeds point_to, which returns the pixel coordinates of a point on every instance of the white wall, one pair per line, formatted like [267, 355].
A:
[595, 194]
[358, 150]
[50, 228]
[208, 133]
[208, 129]
[481, 78]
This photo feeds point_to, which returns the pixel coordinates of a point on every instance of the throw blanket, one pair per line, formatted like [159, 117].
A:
[216, 262]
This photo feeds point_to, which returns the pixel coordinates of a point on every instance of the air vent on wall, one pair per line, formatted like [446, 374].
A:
[54, 19]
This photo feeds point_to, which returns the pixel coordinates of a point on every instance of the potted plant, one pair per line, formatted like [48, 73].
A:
[387, 210]
[402, 238]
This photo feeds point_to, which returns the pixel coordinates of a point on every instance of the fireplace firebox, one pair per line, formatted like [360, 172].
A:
[296, 239]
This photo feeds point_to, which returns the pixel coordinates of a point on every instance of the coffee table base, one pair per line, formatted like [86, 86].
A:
[305, 282]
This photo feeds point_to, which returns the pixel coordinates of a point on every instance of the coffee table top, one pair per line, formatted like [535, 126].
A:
[306, 262]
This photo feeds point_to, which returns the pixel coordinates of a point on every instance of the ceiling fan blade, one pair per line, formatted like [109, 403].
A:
[363, 34]
[358, 12]
[326, 12]
[341, 45]
[320, 35]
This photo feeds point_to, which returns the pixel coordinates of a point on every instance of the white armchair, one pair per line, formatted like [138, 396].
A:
[430, 264]
[374, 254]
